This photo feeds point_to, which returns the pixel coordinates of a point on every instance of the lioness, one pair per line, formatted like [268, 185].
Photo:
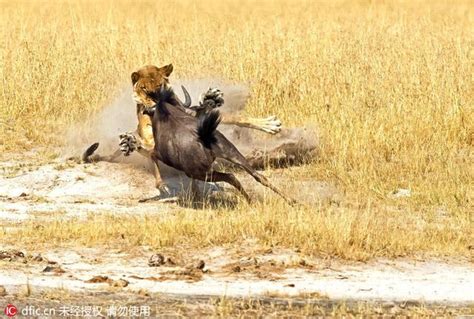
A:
[149, 79]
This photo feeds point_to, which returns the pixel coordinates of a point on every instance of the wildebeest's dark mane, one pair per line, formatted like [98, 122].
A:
[207, 123]
[164, 95]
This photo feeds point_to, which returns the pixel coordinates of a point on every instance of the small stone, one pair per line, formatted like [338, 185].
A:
[38, 258]
[99, 280]
[3, 291]
[54, 269]
[170, 261]
[200, 265]
[143, 292]
[401, 192]
[11, 254]
[248, 261]
[156, 260]
[121, 283]
[236, 268]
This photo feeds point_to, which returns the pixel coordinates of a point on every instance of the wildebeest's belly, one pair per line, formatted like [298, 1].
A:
[183, 151]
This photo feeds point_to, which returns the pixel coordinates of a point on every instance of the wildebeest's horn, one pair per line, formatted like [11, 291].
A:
[187, 97]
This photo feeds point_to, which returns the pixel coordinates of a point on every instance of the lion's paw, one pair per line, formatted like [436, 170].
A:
[211, 99]
[271, 124]
[128, 143]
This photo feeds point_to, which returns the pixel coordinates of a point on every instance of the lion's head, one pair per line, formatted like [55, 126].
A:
[149, 79]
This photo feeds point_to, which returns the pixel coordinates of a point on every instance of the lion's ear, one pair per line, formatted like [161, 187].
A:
[167, 69]
[135, 77]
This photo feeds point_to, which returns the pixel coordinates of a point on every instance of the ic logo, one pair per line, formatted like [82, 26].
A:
[10, 310]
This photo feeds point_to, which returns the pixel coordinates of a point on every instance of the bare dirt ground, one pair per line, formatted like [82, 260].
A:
[64, 189]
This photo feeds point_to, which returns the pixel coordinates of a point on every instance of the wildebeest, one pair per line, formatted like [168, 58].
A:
[192, 144]
[149, 79]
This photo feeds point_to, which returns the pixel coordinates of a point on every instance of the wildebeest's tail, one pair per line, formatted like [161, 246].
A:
[207, 126]
[88, 153]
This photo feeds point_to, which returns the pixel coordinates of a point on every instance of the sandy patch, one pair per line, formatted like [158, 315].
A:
[428, 281]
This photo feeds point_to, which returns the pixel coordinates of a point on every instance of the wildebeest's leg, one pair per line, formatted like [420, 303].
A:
[228, 178]
[231, 154]
[195, 191]
[264, 181]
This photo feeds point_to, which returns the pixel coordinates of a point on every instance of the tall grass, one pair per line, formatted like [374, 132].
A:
[388, 83]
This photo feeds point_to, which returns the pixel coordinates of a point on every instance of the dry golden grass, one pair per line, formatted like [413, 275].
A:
[389, 84]
[357, 234]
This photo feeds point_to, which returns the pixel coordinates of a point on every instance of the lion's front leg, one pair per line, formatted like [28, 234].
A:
[89, 157]
[129, 143]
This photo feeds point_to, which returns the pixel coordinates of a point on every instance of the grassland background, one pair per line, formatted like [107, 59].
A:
[389, 84]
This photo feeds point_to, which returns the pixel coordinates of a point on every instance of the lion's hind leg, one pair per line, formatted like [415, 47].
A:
[270, 125]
